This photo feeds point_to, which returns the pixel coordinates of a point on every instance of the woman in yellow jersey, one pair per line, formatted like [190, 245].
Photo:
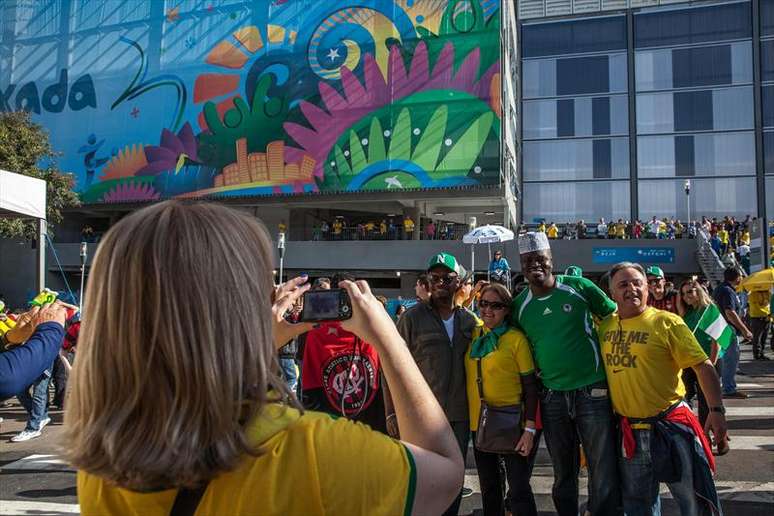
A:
[692, 302]
[176, 398]
[508, 378]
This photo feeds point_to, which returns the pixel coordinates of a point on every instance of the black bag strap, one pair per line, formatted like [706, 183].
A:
[187, 501]
[479, 380]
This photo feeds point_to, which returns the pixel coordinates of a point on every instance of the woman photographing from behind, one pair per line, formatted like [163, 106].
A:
[177, 401]
[501, 375]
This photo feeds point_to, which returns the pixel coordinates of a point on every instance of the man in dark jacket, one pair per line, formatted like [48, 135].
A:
[438, 335]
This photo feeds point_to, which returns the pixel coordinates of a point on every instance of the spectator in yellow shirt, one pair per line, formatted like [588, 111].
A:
[553, 231]
[759, 321]
[408, 228]
[541, 227]
[744, 238]
[723, 236]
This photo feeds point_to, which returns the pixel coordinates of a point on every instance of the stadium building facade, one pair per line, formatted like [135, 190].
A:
[304, 110]
[624, 100]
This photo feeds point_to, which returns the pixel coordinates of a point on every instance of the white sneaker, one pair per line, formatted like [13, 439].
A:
[44, 422]
[25, 435]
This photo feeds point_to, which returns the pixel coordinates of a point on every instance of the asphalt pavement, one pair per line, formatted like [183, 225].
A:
[33, 480]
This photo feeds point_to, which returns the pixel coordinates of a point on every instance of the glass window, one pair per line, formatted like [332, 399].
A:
[539, 79]
[581, 75]
[100, 52]
[769, 199]
[34, 62]
[767, 101]
[767, 17]
[36, 19]
[721, 109]
[693, 25]
[574, 37]
[558, 160]
[569, 202]
[767, 60]
[574, 76]
[709, 197]
[90, 14]
[724, 154]
[584, 116]
[768, 152]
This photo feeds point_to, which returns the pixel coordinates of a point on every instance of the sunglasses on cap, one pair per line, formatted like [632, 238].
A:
[445, 278]
[494, 305]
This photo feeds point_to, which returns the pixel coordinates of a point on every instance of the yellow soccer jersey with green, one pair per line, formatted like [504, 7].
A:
[501, 370]
[643, 358]
[311, 464]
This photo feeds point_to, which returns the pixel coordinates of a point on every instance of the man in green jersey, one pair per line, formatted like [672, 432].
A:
[556, 313]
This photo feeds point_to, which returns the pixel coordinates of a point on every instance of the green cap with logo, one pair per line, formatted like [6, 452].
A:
[574, 270]
[654, 270]
[448, 261]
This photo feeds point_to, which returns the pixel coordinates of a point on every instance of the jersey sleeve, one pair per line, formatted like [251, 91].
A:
[515, 305]
[599, 303]
[523, 354]
[362, 471]
[684, 347]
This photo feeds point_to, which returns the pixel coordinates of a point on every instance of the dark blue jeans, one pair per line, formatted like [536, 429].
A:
[583, 416]
[36, 404]
[640, 487]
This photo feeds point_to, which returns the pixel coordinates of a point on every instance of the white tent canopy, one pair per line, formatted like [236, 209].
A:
[22, 196]
[25, 197]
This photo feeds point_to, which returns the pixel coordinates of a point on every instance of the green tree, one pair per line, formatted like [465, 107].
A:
[25, 149]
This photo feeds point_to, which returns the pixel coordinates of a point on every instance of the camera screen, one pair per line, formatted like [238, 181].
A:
[322, 304]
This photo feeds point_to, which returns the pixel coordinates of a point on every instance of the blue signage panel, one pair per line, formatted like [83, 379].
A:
[634, 254]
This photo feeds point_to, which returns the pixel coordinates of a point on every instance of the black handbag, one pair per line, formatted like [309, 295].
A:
[499, 428]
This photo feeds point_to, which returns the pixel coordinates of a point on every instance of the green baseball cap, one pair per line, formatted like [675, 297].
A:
[574, 270]
[448, 261]
[654, 270]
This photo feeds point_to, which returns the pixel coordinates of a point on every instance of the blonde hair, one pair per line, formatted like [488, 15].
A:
[175, 354]
[701, 293]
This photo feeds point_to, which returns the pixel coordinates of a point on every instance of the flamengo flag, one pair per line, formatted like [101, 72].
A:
[713, 324]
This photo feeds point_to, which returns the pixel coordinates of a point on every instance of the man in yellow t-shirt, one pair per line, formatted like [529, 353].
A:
[759, 321]
[723, 236]
[644, 350]
[552, 231]
[296, 450]
[408, 228]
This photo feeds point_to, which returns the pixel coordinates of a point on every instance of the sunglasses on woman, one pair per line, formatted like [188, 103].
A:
[494, 305]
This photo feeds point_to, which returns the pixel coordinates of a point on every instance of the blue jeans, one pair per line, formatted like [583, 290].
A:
[583, 416]
[289, 373]
[728, 367]
[640, 488]
[36, 404]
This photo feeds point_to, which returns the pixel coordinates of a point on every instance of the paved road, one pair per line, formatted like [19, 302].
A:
[34, 481]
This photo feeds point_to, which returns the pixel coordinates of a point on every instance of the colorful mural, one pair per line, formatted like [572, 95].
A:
[241, 98]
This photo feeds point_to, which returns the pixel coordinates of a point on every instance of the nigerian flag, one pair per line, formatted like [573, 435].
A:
[715, 326]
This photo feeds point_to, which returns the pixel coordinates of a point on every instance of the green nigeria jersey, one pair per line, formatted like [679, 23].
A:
[561, 331]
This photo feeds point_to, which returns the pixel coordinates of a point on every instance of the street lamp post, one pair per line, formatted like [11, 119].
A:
[687, 186]
[281, 248]
[84, 252]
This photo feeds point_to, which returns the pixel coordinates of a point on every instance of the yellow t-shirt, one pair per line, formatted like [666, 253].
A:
[723, 236]
[312, 464]
[501, 370]
[643, 358]
[553, 232]
[745, 238]
[759, 303]
[620, 230]
[541, 228]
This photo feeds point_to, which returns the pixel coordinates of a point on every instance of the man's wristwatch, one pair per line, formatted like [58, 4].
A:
[719, 408]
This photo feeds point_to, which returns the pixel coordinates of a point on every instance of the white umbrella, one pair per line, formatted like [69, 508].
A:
[486, 235]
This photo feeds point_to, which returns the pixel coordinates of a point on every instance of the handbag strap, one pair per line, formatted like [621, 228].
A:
[479, 380]
[187, 501]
